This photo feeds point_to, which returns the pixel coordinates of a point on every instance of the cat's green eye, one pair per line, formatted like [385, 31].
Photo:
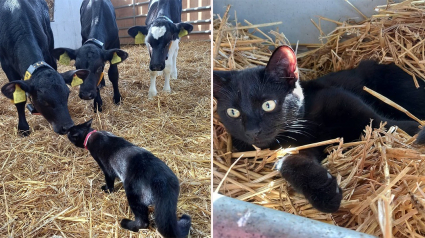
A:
[269, 106]
[233, 112]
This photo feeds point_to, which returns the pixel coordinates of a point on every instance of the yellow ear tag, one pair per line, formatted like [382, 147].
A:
[76, 81]
[100, 79]
[27, 75]
[115, 59]
[183, 32]
[19, 95]
[64, 59]
[139, 39]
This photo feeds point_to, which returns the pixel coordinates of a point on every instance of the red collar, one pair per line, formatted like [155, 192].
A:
[87, 138]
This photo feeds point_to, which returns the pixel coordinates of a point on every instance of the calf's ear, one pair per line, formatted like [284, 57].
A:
[115, 56]
[138, 33]
[183, 29]
[75, 77]
[16, 90]
[64, 55]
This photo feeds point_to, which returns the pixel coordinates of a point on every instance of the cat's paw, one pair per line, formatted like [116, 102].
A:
[323, 192]
[106, 189]
[133, 225]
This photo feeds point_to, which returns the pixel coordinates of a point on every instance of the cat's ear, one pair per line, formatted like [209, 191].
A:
[88, 123]
[282, 65]
[220, 80]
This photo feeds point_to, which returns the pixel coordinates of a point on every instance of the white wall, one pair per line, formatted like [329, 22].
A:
[66, 25]
[296, 14]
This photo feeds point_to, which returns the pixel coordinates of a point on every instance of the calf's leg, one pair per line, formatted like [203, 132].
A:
[97, 102]
[167, 73]
[23, 127]
[152, 87]
[113, 77]
[174, 61]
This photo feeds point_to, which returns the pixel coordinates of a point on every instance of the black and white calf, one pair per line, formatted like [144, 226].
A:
[26, 42]
[162, 35]
[99, 32]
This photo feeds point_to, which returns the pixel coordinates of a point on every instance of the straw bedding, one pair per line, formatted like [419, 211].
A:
[49, 188]
[382, 174]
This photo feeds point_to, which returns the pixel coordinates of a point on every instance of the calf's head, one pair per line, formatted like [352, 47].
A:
[93, 58]
[49, 94]
[158, 37]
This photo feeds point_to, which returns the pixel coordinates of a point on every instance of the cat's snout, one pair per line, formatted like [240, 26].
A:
[253, 134]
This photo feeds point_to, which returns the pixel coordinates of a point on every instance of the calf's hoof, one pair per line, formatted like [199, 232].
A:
[152, 94]
[24, 130]
[117, 100]
[97, 107]
[106, 189]
[133, 225]
[166, 90]
[173, 75]
[24, 133]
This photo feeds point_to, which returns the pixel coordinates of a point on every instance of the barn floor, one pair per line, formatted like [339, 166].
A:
[49, 188]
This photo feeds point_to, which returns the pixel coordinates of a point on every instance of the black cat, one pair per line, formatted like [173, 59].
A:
[269, 107]
[147, 180]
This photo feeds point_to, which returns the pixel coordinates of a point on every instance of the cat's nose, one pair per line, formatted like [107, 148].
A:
[253, 133]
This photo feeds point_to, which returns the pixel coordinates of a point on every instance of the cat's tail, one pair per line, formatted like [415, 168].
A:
[166, 219]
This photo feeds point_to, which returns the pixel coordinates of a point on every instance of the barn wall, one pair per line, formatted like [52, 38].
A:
[66, 25]
[296, 17]
[133, 12]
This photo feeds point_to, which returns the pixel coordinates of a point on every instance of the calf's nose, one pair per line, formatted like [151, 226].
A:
[86, 95]
[63, 130]
[156, 67]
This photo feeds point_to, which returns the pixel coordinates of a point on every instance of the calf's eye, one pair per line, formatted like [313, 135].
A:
[233, 112]
[269, 106]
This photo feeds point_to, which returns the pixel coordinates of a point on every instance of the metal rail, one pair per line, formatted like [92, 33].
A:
[130, 5]
[192, 33]
[235, 218]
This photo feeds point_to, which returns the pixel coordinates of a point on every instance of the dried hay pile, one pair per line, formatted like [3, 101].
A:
[382, 175]
[49, 187]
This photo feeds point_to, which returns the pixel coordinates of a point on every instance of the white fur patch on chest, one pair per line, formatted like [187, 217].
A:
[298, 91]
[157, 32]
[11, 5]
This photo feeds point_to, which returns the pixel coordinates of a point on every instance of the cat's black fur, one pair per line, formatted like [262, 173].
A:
[147, 180]
[329, 107]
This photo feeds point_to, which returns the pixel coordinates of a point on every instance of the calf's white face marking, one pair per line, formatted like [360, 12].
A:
[89, 4]
[157, 32]
[11, 5]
